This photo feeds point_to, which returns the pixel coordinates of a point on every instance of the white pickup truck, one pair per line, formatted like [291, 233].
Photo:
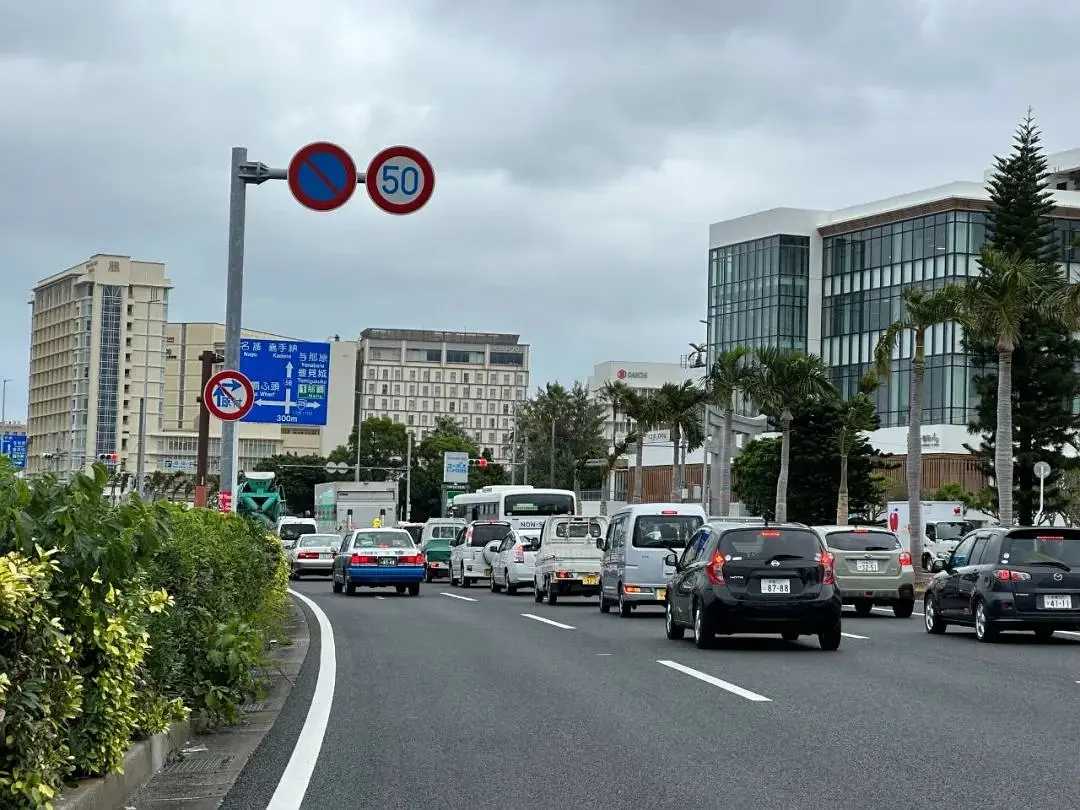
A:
[568, 560]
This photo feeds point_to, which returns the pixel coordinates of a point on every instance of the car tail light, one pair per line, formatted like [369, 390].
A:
[567, 575]
[519, 553]
[411, 559]
[905, 558]
[1007, 575]
[828, 574]
[666, 512]
[714, 570]
[362, 559]
[308, 555]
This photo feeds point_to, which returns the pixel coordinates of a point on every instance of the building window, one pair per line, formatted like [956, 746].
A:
[458, 356]
[507, 359]
[465, 376]
[412, 419]
[385, 389]
[453, 376]
[451, 406]
[371, 403]
[385, 374]
[412, 373]
[506, 409]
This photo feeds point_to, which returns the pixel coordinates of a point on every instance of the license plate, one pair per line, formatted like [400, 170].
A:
[438, 565]
[587, 580]
[776, 586]
[1063, 602]
[388, 561]
[661, 594]
[866, 566]
[326, 555]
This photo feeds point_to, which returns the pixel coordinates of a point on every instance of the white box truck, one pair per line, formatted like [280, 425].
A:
[344, 505]
[944, 524]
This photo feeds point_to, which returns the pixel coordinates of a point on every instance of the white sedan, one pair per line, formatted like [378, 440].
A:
[513, 564]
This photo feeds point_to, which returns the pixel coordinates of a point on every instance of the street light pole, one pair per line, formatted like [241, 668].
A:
[408, 481]
[234, 300]
[551, 474]
[3, 401]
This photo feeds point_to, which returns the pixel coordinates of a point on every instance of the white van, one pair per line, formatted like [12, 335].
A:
[568, 561]
[290, 528]
[638, 538]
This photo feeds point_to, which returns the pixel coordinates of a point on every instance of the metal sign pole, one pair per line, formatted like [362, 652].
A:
[234, 299]
[408, 482]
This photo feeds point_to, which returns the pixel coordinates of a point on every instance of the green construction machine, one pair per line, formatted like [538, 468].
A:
[261, 498]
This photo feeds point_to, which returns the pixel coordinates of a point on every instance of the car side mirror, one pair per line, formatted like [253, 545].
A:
[937, 566]
[672, 560]
[493, 547]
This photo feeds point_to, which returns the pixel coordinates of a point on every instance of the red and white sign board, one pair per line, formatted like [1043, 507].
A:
[225, 502]
[400, 180]
[228, 395]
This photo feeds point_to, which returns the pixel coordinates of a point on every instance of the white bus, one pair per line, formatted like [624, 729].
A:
[523, 507]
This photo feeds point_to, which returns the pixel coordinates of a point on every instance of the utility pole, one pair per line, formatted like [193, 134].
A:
[3, 401]
[208, 359]
[551, 473]
[140, 460]
[525, 454]
[408, 480]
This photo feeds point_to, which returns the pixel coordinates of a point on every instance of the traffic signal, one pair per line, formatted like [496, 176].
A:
[479, 462]
[108, 458]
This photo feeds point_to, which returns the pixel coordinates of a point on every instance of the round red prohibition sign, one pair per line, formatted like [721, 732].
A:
[400, 180]
[229, 395]
[322, 176]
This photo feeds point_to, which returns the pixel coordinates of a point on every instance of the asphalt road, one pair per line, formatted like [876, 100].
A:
[446, 702]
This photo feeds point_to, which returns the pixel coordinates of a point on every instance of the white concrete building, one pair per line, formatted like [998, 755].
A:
[96, 351]
[414, 376]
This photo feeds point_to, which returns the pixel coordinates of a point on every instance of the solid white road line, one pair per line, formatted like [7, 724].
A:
[380, 597]
[709, 679]
[294, 780]
[560, 625]
[458, 596]
[852, 635]
[1069, 633]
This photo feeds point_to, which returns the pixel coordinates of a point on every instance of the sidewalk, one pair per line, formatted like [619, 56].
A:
[210, 763]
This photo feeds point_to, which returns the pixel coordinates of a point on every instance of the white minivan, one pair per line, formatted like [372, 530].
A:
[638, 539]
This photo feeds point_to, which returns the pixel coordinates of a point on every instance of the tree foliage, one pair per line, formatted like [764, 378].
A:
[447, 436]
[815, 474]
[579, 436]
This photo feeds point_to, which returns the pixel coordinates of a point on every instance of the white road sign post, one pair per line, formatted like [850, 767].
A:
[1042, 469]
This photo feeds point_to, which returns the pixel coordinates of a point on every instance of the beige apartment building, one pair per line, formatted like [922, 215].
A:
[414, 376]
[176, 444]
[96, 350]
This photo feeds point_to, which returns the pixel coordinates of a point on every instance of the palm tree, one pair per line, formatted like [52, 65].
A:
[730, 373]
[680, 409]
[615, 393]
[922, 310]
[783, 380]
[643, 408]
[994, 307]
[857, 414]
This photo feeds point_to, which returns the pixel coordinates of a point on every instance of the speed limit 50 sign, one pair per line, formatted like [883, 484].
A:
[400, 180]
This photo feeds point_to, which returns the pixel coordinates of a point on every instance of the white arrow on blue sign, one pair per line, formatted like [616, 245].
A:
[291, 380]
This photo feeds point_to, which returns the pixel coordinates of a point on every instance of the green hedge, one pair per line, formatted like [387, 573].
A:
[117, 620]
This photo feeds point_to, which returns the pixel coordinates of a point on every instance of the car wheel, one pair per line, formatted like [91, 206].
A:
[538, 594]
[703, 632]
[903, 609]
[789, 635]
[296, 576]
[414, 589]
[984, 626]
[510, 589]
[334, 584]
[1044, 633]
[427, 576]
[624, 606]
[674, 632]
[934, 623]
[465, 581]
[829, 639]
[552, 595]
[453, 579]
[350, 588]
[605, 606]
[863, 607]
[491, 584]
[400, 589]
[927, 562]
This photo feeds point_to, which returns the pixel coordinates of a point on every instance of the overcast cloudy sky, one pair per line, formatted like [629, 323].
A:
[581, 148]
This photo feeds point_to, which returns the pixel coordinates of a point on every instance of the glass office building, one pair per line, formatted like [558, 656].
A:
[830, 282]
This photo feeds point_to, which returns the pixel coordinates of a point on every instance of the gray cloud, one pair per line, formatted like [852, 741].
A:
[581, 148]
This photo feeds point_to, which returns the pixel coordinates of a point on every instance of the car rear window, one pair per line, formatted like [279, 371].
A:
[448, 532]
[862, 541]
[952, 530]
[314, 540]
[484, 533]
[766, 543]
[577, 531]
[291, 531]
[1050, 547]
[664, 531]
[438, 542]
[383, 539]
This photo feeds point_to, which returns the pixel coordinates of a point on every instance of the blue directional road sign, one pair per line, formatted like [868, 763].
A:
[13, 445]
[290, 379]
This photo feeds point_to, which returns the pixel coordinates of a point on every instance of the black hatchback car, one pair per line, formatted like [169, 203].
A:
[754, 579]
[1008, 579]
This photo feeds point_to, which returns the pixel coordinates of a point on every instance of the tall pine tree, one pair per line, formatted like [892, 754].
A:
[1044, 376]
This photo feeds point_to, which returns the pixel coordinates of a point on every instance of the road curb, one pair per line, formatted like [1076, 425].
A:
[150, 757]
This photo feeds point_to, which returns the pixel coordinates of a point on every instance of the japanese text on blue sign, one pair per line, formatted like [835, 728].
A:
[290, 379]
[13, 445]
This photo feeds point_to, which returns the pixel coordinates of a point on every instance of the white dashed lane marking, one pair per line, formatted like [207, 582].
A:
[717, 682]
